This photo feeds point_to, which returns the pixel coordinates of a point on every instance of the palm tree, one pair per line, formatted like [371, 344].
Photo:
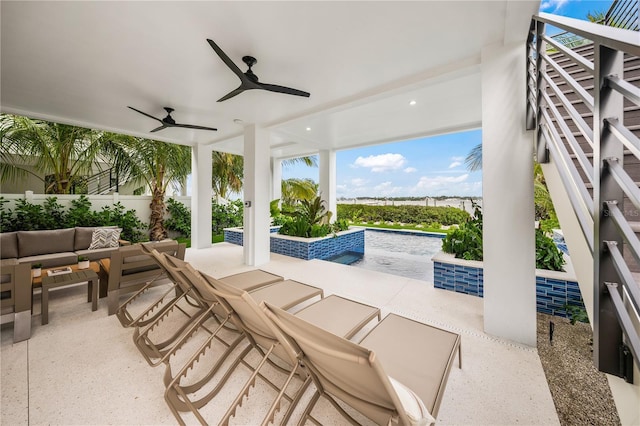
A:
[157, 165]
[60, 154]
[227, 173]
[294, 190]
[474, 158]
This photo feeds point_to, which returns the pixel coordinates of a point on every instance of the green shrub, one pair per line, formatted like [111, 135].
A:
[180, 218]
[466, 241]
[226, 215]
[31, 217]
[310, 220]
[116, 215]
[80, 214]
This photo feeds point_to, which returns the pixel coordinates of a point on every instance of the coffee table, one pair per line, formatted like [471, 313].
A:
[77, 276]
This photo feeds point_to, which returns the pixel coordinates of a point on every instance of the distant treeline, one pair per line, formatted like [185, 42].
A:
[362, 213]
[439, 197]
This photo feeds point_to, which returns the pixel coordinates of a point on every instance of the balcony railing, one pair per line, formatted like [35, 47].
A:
[576, 101]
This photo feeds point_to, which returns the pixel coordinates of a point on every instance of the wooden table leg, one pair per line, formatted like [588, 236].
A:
[93, 285]
[44, 305]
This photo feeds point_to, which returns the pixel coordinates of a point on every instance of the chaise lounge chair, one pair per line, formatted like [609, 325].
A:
[396, 375]
[335, 313]
[189, 310]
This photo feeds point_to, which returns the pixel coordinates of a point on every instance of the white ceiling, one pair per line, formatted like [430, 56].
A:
[83, 62]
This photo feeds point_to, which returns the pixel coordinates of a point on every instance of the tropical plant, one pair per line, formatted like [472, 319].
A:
[227, 173]
[155, 164]
[466, 241]
[474, 158]
[314, 211]
[548, 256]
[59, 155]
[296, 189]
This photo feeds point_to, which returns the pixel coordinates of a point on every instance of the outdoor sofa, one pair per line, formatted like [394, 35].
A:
[54, 247]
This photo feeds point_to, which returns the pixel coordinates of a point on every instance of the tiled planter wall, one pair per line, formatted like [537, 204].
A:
[307, 248]
[554, 290]
[236, 235]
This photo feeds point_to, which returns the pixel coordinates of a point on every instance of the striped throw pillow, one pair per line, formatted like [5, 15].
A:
[105, 238]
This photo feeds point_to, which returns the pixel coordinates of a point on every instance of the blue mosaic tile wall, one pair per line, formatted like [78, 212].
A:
[234, 237]
[551, 294]
[320, 249]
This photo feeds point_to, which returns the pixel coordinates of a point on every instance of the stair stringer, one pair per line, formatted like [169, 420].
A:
[579, 249]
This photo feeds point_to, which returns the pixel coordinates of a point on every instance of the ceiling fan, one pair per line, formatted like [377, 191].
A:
[248, 80]
[168, 121]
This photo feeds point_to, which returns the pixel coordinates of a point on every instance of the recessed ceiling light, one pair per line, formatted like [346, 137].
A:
[308, 129]
[238, 121]
[412, 103]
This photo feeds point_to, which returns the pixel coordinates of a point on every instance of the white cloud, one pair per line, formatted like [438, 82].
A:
[358, 182]
[552, 6]
[382, 162]
[410, 170]
[455, 164]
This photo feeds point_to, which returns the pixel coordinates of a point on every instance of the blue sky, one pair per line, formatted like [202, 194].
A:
[423, 167]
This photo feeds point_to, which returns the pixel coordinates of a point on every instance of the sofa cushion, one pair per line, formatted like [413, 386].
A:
[84, 235]
[96, 254]
[105, 238]
[8, 245]
[34, 243]
[52, 259]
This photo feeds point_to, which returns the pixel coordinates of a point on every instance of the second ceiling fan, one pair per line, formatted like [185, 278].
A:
[248, 80]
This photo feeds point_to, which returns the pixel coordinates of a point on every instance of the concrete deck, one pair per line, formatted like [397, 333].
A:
[83, 368]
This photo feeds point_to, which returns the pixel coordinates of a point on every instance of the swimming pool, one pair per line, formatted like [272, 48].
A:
[399, 253]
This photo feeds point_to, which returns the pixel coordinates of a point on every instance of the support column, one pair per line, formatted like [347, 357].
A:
[507, 182]
[276, 179]
[201, 196]
[328, 180]
[256, 196]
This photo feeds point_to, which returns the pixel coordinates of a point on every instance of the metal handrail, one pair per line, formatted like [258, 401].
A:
[615, 38]
[600, 218]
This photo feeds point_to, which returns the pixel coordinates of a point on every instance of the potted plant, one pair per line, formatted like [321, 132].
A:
[83, 262]
[36, 269]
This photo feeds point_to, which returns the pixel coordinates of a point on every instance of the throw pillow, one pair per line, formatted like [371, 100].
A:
[105, 238]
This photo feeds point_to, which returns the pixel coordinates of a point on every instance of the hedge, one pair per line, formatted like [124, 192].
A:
[402, 214]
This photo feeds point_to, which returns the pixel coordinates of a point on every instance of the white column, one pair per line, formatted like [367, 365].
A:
[276, 179]
[328, 180]
[257, 170]
[507, 182]
[201, 196]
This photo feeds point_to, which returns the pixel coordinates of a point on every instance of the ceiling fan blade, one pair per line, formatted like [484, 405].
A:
[144, 113]
[190, 126]
[232, 94]
[164, 126]
[282, 89]
[227, 60]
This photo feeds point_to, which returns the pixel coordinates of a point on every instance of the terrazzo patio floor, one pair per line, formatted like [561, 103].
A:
[83, 368]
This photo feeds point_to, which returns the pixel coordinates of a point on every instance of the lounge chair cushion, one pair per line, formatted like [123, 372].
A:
[105, 238]
[413, 405]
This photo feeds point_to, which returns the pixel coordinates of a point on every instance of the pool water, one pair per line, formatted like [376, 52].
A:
[404, 254]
